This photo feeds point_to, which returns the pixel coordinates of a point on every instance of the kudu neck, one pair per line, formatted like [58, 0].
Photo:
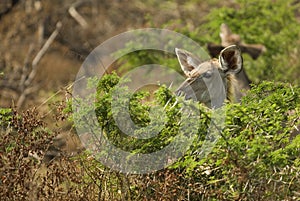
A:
[230, 88]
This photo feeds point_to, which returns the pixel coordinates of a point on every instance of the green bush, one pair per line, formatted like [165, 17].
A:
[271, 23]
[256, 157]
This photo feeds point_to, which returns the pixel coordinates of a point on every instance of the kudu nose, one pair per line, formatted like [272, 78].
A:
[181, 93]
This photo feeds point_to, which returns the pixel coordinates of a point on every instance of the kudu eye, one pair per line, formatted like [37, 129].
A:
[207, 74]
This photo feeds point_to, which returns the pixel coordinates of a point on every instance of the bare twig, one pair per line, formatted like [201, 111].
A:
[41, 53]
[73, 12]
[25, 83]
[25, 68]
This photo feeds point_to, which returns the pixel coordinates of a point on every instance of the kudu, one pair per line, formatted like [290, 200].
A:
[229, 38]
[209, 80]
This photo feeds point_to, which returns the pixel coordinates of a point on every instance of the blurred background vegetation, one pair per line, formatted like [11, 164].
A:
[28, 24]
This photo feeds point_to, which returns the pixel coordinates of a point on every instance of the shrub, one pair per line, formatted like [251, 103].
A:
[256, 157]
[271, 23]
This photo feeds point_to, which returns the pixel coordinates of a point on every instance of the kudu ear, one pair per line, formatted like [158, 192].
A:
[231, 59]
[187, 60]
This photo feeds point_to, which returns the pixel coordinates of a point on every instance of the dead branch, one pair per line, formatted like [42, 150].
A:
[41, 53]
[78, 18]
[25, 68]
[25, 83]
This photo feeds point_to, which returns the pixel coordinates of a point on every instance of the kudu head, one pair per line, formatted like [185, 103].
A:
[212, 81]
